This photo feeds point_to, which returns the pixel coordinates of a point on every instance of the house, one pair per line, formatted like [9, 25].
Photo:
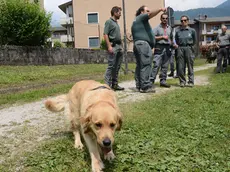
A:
[59, 34]
[209, 28]
[85, 19]
[67, 23]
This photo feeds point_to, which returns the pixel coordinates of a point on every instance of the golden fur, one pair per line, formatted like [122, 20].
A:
[93, 111]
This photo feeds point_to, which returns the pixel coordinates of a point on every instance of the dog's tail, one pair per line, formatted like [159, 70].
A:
[57, 104]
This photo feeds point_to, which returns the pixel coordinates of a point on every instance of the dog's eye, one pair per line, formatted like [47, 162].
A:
[99, 125]
[112, 125]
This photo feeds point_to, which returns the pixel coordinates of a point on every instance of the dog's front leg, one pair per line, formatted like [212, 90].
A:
[97, 164]
[109, 156]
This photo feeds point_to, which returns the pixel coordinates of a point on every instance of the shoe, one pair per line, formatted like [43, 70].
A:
[165, 85]
[135, 89]
[171, 74]
[182, 85]
[190, 85]
[176, 76]
[117, 88]
[148, 90]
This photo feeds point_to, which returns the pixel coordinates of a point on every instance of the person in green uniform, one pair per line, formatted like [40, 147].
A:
[112, 38]
[185, 39]
[144, 42]
[223, 42]
[162, 54]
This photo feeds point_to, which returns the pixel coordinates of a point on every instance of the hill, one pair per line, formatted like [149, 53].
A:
[221, 10]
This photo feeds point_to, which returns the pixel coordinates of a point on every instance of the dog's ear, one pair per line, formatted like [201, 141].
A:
[86, 120]
[120, 120]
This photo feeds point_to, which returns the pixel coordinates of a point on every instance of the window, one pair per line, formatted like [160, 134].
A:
[216, 27]
[228, 26]
[94, 42]
[92, 17]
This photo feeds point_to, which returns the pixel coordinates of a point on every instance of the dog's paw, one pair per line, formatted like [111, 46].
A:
[109, 156]
[98, 166]
[78, 146]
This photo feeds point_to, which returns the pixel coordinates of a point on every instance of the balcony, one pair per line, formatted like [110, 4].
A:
[66, 38]
[217, 31]
[204, 32]
[66, 21]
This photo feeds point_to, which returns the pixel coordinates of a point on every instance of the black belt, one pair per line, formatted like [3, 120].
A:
[101, 87]
[185, 45]
[162, 45]
[115, 43]
[224, 46]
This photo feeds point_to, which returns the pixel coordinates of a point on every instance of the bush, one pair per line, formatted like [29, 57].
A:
[58, 44]
[103, 45]
[23, 23]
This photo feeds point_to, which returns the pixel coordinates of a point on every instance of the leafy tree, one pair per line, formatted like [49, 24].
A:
[23, 23]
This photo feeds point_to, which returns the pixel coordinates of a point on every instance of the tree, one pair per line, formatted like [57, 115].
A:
[23, 23]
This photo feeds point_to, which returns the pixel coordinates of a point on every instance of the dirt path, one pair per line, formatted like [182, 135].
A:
[23, 126]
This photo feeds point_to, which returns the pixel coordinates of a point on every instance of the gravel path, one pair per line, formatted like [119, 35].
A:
[23, 126]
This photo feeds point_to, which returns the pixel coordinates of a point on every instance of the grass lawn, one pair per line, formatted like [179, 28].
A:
[51, 80]
[184, 130]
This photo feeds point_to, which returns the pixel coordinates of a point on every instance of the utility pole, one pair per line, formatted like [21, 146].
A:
[125, 40]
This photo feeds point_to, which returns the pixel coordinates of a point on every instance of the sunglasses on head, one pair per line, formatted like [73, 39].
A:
[183, 21]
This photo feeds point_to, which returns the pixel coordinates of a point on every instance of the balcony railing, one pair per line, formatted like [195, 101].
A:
[66, 21]
[66, 38]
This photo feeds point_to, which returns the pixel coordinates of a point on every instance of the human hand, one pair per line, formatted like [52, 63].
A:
[165, 37]
[110, 50]
[163, 9]
[175, 46]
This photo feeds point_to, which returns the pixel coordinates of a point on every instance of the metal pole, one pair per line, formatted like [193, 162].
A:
[125, 40]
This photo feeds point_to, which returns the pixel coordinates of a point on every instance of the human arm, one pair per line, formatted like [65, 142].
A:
[106, 37]
[194, 37]
[153, 13]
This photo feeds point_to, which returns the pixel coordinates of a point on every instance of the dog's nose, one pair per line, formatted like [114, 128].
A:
[107, 142]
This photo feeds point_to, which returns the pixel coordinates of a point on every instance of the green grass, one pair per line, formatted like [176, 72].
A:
[184, 130]
[53, 80]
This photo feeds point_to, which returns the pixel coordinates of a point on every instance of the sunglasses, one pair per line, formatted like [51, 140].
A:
[183, 21]
[164, 18]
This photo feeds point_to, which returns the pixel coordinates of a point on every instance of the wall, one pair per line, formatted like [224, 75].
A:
[16, 55]
[83, 30]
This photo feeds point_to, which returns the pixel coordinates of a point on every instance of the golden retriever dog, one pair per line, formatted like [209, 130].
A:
[93, 112]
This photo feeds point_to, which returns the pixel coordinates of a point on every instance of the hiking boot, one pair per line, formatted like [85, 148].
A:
[135, 89]
[190, 85]
[165, 85]
[117, 88]
[148, 90]
[176, 76]
[182, 85]
[171, 74]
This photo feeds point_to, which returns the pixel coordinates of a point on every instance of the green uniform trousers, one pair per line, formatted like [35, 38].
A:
[185, 56]
[114, 65]
[144, 58]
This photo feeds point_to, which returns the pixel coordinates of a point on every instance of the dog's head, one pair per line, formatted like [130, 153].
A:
[103, 120]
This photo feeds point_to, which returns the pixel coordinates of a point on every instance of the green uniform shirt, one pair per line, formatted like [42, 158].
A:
[160, 31]
[185, 36]
[141, 30]
[112, 29]
[223, 39]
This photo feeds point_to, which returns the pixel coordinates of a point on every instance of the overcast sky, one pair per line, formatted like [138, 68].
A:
[52, 5]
